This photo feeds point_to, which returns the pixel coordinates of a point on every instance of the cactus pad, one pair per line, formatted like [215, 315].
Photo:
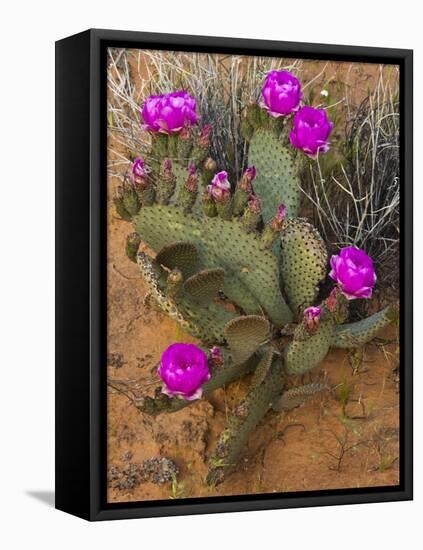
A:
[180, 255]
[131, 201]
[277, 178]
[202, 321]
[357, 334]
[245, 334]
[294, 397]
[237, 252]
[243, 421]
[301, 355]
[209, 320]
[205, 285]
[263, 367]
[303, 263]
[240, 294]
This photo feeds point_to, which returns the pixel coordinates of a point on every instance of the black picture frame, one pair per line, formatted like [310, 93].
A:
[81, 279]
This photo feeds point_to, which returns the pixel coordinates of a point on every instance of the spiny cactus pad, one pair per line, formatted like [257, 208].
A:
[181, 175]
[263, 367]
[131, 201]
[243, 421]
[180, 255]
[237, 252]
[294, 397]
[301, 355]
[240, 295]
[277, 177]
[303, 263]
[202, 321]
[357, 334]
[245, 335]
[205, 285]
[209, 319]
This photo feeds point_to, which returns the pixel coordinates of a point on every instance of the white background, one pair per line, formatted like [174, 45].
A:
[28, 32]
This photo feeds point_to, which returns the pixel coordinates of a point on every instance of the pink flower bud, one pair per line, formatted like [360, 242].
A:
[254, 204]
[139, 172]
[216, 356]
[210, 165]
[192, 182]
[277, 221]
[247, 177]
[204, 139]
[332, 300]
[185, 133]
[312, 318]
[220, 188]
[167, 169]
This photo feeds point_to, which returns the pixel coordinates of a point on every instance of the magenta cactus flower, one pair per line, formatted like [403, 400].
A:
[184, 370]
[354, 272]
[312, 318]
[169, 113]
[220, 188]
[221, 180]
[311, 130]
[281, 93]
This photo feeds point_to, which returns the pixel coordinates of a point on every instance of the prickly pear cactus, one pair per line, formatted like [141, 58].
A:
[303, 263]
[295, 397]
[304, 353]
[353, 335]
[277, 173]
[235, 266]
[244, 420]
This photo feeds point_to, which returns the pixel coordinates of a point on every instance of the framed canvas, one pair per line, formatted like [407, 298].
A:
[234, 274]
